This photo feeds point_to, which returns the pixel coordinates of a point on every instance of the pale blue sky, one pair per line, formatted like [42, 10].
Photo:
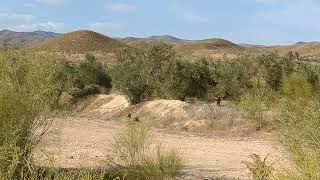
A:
[242, 21]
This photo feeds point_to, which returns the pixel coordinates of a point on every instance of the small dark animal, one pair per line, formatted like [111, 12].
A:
[219, 101]
[136, 119]
[129, 116]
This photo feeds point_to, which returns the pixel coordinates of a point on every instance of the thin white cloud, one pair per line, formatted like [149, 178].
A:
[187, 14]
[50, 2]
[15, 17]
[26, 22]
[106, 27]
[123, 8]
[44, 26]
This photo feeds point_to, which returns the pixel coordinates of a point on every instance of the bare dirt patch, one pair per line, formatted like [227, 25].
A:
[84, 139]
[87, 140]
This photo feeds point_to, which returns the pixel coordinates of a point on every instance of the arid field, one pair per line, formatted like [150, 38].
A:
[82, 105]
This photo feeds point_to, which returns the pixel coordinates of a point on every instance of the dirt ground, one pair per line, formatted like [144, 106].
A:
[83, 139]
[79, 140]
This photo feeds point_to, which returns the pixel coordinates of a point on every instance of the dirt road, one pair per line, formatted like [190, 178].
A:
[82, 140]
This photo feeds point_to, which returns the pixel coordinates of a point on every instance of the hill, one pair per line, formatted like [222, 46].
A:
[168, 39]
[154, 39]
[82, 41]
[209, 47]
[303, 48]
[21, 39]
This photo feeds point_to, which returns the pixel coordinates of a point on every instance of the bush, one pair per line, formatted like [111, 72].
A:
[298, 126]
[30, 87]
[255, 101]
[90, 72]
[259, 169]
[297, 86]
[28, 92]
[134, 156]
[79, 80]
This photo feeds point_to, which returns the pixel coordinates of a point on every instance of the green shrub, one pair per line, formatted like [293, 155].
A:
[83, 79]
[259, 169]
[90, 72]
[28, 92]
[297, 86]
[298, 124]
[255, 101]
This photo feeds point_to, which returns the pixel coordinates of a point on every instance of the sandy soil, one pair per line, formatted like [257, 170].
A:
[80, 140]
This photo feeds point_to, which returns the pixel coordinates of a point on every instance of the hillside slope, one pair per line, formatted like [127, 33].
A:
[154, 39]
[210, 47]
[303, 48]
[21, 39]
[80, 42]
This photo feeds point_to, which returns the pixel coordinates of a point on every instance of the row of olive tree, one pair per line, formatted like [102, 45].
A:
[158, 72]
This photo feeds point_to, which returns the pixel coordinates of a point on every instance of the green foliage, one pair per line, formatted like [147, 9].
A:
[234, 76]
[298, 124]
[129, 74]
[256, 100]
[259, 169]
[231, 78]
[297, 86]
[28, 91]
[191, 80]
[82, 79]
[90, 72]
[159, 72]
[134, 156]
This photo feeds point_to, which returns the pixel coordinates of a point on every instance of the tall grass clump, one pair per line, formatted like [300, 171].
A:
[298, 123]
[28, 92]
[135, 157]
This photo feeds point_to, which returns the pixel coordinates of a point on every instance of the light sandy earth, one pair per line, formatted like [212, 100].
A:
[88, 140]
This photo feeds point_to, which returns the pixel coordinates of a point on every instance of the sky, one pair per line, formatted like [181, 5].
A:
[267, 22]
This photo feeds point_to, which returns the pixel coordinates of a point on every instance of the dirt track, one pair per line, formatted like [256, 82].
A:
[88, 140]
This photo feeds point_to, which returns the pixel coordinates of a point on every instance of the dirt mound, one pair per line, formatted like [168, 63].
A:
[160, 110]
[199, 117]
[80, 42]
[102, 104]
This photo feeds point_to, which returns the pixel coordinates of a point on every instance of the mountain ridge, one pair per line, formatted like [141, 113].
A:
[10, 38]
